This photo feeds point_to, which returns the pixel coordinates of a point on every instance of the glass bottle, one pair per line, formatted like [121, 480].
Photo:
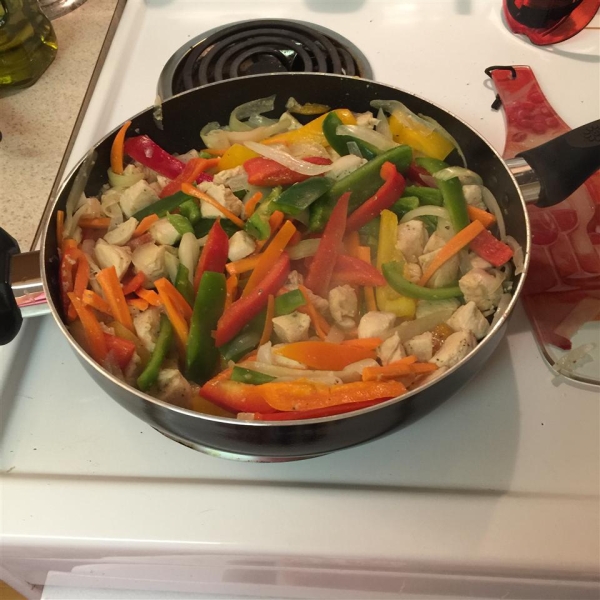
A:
[27, 44]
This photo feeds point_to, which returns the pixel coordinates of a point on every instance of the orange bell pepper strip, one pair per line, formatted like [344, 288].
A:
[230, 290]
[399, 368]
[113, 293]
[94, 333]
[368, 343]
[117, 150]
[275, 221]
[326, 356]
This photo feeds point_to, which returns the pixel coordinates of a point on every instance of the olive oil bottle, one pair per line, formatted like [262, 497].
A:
[27, 44]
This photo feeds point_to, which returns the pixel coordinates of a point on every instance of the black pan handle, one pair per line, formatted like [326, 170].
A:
[10, 315]
[565, 163]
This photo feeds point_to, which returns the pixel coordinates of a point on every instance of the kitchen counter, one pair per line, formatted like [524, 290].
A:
[37, 123]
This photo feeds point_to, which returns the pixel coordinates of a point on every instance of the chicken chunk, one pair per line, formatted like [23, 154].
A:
[469, 318]
[108, 255]
[345, 165]
[435, 242]
[391, 349]
[150, 260]
[445, 275]
[376, 324]
[222, 177]
[138, 196]
[240, 245]
[294, 280]
[146, 325]
[292, 328]
[428, 307]
[343, 305]
[411, 239]
[174, 388]
[482, 287]
[454, 349]
[163, 232]
[412, 272]
[420, 346]
[474, 195]
[224, 196]
[122, 233]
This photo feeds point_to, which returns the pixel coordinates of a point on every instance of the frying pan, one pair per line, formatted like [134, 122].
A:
[547, 175]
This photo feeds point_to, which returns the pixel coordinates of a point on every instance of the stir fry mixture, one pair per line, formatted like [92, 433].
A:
[286, 271]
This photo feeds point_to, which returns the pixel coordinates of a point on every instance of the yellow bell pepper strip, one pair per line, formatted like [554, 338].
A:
[364, 253]
[307, 395]
[387, 298]
[326, 356]
[312, 131]
[452, 247]
[269, 257]
[235, 156]
[117, 149]
[94, 334]
[419, 137]
[113, 293]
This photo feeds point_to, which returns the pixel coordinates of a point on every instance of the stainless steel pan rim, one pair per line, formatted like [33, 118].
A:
[151, 399]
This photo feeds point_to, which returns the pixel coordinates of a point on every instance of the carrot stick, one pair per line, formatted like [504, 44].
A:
[268, 328]
[180, 303]
[94, 222]
[190, 190]
[364, 253]
[113, 293]
[483, 216]
[118, 150]
[190, 173]
[352, 244]
[243, 265]
[150, 296]
[60, 227]
[230, 289]
[144, 225]
[82, 275]
[177, 320]
[252, 203]
[399, 368]
[453, 246]
[138, 303]
[270, 256]
[134, 283]
[319, 322]
[92, 328]
[90, 298]
[367, 343]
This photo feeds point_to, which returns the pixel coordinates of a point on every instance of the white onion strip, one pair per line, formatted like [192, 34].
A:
[287, 160]
[303, 249]
[429, 211]
[367, 135]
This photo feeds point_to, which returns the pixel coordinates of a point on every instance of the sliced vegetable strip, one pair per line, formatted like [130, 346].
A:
[235, 396]
[364, 253]
[138, 303]
[356, 271]
[399, 368]
[164, 286]
[90, 298]
[365, 343]
[325, 355]
[134, 284]
[144, 225]
[323, 264]
[307, 395]
[214, 254]
[121, 349]
[394, 275]
[243, 265]
[452, 247]
[163, 343]
[60, 227]
[315, 413]
[319, 322]
[491, 249]
[82, 275]
[269, 173]
[177, 320]
[230, 288]
[268, 328]
[192, 191]
[94, 334]
[117, 149]
[190, 173]
[252, 203]
[150, 296]
[269, 257]
[113, 293]
[477, 214]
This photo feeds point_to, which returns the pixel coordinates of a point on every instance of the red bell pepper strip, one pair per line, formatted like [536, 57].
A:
[242, 311]
[355, 271]
[323, 263]
[121, 349]
[383, 198]
[214, 253]
[151, 155]
[192, 171]
[266, 172]
[416, 173]
[315, 413]
[235, 396]
[489, 248]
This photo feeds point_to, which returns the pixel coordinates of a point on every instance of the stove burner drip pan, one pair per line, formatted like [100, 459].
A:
[260, 46]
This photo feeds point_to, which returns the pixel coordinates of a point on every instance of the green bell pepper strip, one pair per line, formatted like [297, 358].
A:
[289, 302]
[249, 376]
[246, 341]
[191, 211]
[258, 224]
[340, 142]
[299, 196]
[427, 196]
[163, 206]
[452, 194]
[203, 227]
[183, 284]
[181, 224]
[204, 154]
[149, 375]
[202, 356]
[362, 183]
[393, 273]
[404, 205]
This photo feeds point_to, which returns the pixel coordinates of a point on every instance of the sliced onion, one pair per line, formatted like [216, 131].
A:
[492, 205]
[310, 108]
[304, 248]
[501, 308]
[383, 127]
[213, 136]
[574, 358]
[287, 160]
[466, 176]
[441, 131]
[367, 135]
[125, 180]
[81, 179]
[354, 149]
[423, 211]
[404, 115]
[409, 329]
[247, 110]
[518, 257]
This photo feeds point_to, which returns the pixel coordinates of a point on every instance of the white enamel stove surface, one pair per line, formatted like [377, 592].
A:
[495, 493]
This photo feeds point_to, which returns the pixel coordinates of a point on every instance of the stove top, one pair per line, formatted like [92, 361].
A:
[260, 46]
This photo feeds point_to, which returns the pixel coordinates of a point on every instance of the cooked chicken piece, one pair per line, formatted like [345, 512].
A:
[435, 242]
[428, 307]
[163, 232]
[146, 325]
[445, 275]
[376, 324]
[454, 349]
[224, 196]
[482, 287]
[469, 318]
[138, 196]
[474, 195]
[411, 239]
[391, 349]
[292, 328]
[122, 233]
[240, 245]
[150, 259]
[108, 255]
[343, 305]
[345, 165]
[412, 272]
[420, 346]
[174, 388]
